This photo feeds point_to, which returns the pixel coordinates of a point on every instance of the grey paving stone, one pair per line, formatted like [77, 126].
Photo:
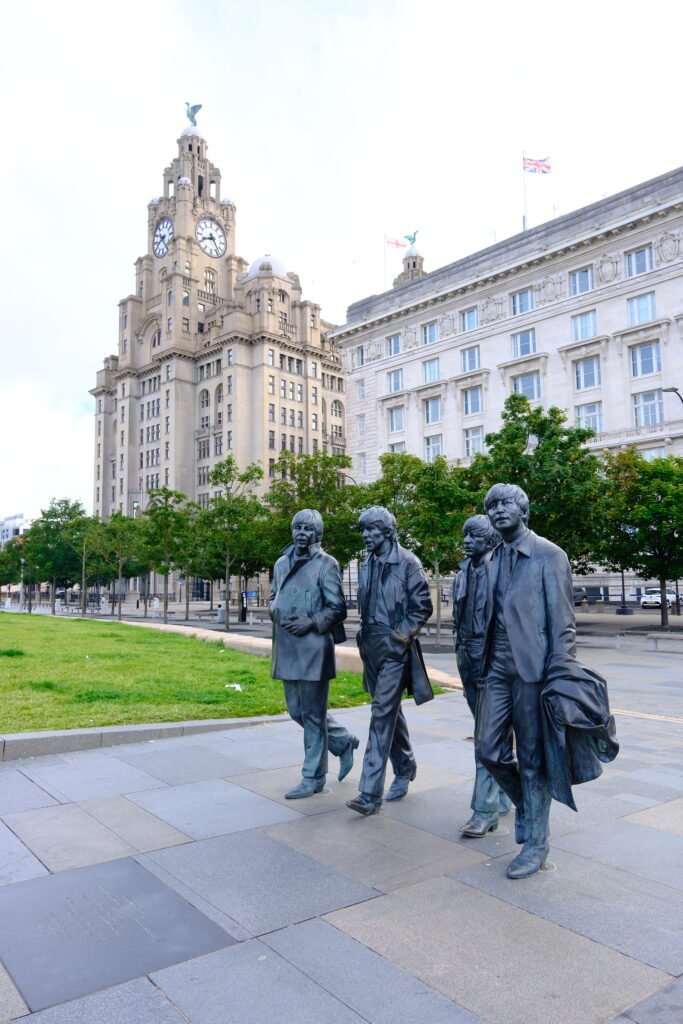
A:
[664, 1007]
[259, 882]
[66, 836]
[364, 981]
[248, 984]
[450, 935]
[617, 784]
[84, 930]
[672, 782]
[451, 755]
[17, 793]
[92, 776]
[634, 916]
[16, 862]
[667, 817]
[643, 851]
[133, 824]
[212, 808]
[441, 811]
[133, 1002]
[378, 851]
[195, 764]
[11, 1003]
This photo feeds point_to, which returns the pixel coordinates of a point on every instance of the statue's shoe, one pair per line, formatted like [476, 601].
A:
[346, 758]
[479, 825]
[528, 862]
[399, 787]
[307, 787]
[365, 803]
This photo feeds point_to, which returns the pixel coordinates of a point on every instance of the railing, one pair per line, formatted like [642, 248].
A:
[209, 297]
[635, 433]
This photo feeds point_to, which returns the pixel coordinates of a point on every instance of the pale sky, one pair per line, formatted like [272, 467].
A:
[334, 123]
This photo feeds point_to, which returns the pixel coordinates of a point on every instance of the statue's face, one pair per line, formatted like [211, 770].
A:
[475, 546]
[373, 537]
[505, 514]
[303, 535]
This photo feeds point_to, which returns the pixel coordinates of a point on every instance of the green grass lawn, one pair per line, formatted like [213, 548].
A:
[70, 674]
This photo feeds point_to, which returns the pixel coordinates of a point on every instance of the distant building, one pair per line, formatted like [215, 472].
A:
[13, 526]
[215, 356]
[584, 312]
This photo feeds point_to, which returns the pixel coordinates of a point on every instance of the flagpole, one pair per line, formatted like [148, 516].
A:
[524, 191]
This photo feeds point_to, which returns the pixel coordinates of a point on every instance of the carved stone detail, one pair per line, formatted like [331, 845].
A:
[446, 325]
[410, 337]
[374, 350]
[608, 268]
[492, 310]
[668, 247]
[549, 290]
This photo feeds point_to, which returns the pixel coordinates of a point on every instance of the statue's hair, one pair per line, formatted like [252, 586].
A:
[310, 515]
[380, 517]
[519, 497]
[481, 526]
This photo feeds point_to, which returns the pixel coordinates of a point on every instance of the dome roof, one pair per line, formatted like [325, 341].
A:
[184, 181]
[268, 265]
[413, 251]
[192, 130]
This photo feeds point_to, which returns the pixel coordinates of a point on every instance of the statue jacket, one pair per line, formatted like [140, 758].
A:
[405, 593]
[307, 586]
[460, 594]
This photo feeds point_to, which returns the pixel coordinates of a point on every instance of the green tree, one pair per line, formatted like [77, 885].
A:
[122, 546]
[163, 533]
[51, 543]
[643, 518]
[538, 451]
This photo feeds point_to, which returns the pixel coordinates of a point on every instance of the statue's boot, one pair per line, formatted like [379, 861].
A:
[534, 853]
[307, 787]
[479, 825]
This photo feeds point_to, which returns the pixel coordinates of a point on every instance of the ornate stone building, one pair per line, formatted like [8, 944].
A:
[215, 356]
[584, 312]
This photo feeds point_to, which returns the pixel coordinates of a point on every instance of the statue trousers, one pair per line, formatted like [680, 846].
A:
[388, 737]
[507, 702]
[307, 705]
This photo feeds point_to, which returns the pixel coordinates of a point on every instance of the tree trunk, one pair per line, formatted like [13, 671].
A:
[84, 596]
[120, 588]
[165, 598]
[146, 597]
[30, 598]
[112, 598]
[53, 597]
[227, 592]
[664, 606]
[210, 595]
[437, 574]
[187, 598]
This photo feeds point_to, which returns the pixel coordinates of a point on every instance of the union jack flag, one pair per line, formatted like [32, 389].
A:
[541, 166]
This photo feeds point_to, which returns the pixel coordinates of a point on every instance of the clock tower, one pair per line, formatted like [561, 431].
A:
[215, 356]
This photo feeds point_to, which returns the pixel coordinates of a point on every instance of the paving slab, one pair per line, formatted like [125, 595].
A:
[18, 793]
[133, 824]
[664, 1007]
[17, 863]
[84, 930]
[249, 984]
[212, 808]
[376, 989]
[133, 1002]
[66, 836]
[503, 964]
[642, 919]
[11, 1003]
[647, 852]
[197, 763]
[92, 775]
[667, 817]
[261, 883]
[378, 851]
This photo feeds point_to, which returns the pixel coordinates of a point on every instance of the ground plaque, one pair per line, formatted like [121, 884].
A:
[69, 934]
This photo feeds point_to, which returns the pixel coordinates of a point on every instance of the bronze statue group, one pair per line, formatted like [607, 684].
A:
[542, 720]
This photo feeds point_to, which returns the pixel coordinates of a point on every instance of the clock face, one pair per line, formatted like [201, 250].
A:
[211, 237]
[163, 233]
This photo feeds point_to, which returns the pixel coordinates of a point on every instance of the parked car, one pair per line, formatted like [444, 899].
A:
[579, 594]
[652, 598]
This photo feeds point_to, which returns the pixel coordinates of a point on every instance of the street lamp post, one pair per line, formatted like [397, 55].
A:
[674, 391]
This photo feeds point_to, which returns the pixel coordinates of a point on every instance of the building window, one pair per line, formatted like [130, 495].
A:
[528, 384]
[524, 343]
[396, 419]
[653, 453]
[271, 385]
[428, 333]
[314, 369]
[581, 281]
[299, 392]
[201, 307]
[474, 441]
[639, 261]
[125, 344]
[432, 410]
[283, 389]
[229, 440]
[648, 408]
[359, 356]
[300, 419]
[393, 344]
[641, 309]
[361, 464]
[522, 302]
[469, 319]
[314, 421]
[186, 298]
[291, 417]
[271, 357]
[472, 401]
[590, 415]
[169, 324]
[584, 326]
[397, 447]
[433, 447]
[204, 399]
[470, 359]
[587, 373]
[291, 390]
[360, 389]
[230, 359]
[229, 412]
[645, 358]
[314, 396]
[271, 439]
[283, 414]
[271, 412]
[395, 381]
[271, 467]
[360, 424]
[430, 371]
[228, 384]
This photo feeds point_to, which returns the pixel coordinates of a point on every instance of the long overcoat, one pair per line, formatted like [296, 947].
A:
[310, 586]
[408, 602]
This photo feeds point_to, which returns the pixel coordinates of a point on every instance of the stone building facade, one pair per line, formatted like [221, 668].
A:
[215, 356]
[584, 312]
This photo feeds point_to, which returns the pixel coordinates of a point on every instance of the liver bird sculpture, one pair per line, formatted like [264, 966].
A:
[191, 111]
[411, 238]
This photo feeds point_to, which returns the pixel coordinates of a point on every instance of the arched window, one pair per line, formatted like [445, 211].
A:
[337, 409]
[204, 399]
[209, 281]
[218, 397]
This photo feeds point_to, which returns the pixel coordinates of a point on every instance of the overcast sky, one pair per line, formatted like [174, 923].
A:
[334, 122]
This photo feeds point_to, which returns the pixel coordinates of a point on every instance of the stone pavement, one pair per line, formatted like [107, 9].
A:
[169, 881]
